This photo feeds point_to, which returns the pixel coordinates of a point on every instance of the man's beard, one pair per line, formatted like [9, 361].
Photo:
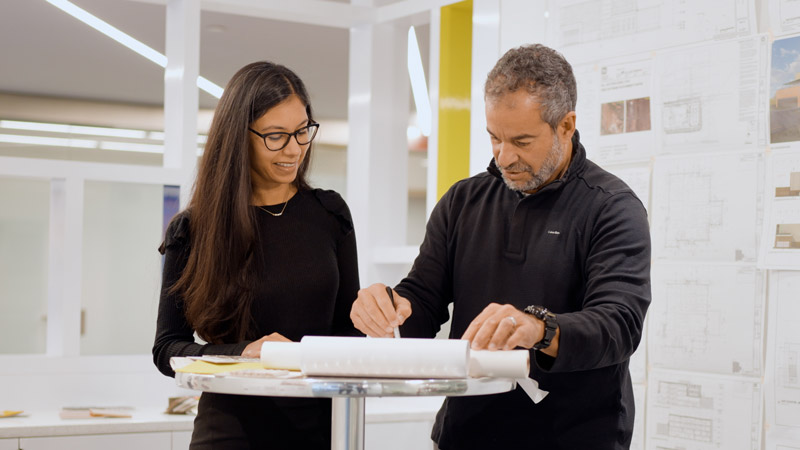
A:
[551, 163]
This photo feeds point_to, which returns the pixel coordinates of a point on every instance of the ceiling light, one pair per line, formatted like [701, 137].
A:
[131, 147]
[126, 40]
[73, 129]
[418, 85]
[48, 141]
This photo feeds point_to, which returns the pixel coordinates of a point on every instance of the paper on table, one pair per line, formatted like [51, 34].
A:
[209, 368]
[482, 363]
[499, 364]
[397, 358]
[281, 355]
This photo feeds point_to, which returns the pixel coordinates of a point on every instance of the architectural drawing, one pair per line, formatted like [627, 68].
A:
[780, 240]
[706, 207]
[692, 326]
[783, 350]
[710, 96]
[616, 115]
[585, 29]
[694, 411]
[784, 16]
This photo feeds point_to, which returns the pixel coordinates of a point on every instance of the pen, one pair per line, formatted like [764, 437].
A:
[391, 297]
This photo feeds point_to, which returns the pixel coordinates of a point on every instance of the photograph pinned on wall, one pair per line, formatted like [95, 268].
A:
[784, 101]
[612, 118]
[637, 115]
[628, 116]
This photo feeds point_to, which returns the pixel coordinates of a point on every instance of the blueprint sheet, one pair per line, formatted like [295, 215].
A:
[780, 240]
[708, 318]
[784, 16]
[706, 207]
[583, 29]
[614, 109]
[710, 96]
[782, 384]
[699, 412]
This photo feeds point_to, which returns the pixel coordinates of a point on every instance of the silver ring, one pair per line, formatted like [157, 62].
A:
[513, 321]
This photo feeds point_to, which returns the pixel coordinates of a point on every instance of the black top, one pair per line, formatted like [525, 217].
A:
[307, 285]
[580, 246]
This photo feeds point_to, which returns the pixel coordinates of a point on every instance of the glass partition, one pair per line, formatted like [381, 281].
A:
[123, 226]
[24, 230]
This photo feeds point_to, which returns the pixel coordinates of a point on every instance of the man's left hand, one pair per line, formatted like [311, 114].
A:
[503, 327]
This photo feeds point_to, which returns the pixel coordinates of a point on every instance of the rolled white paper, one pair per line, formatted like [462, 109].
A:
[395, 358]
[281, 355]
[499, 364]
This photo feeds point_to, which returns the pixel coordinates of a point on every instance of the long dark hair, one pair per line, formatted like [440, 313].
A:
[217, 281]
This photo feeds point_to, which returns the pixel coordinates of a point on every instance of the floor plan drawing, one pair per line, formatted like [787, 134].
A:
[706, 207]
[692, 326]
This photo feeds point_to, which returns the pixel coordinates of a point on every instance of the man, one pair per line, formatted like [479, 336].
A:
[542, 228]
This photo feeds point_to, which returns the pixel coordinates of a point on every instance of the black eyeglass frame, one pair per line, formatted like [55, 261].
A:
[289, 136]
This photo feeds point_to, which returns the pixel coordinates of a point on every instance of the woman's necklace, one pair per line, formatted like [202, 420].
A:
[286, 202]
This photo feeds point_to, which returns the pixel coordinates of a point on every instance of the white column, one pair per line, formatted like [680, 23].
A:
[180, 90]
[485, 52]
[65, 267]
[433, 92]
[377, 154]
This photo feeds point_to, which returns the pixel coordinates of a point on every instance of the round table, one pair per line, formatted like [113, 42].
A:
[347, 394]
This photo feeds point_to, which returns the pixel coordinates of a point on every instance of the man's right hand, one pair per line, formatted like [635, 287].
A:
[374, 314]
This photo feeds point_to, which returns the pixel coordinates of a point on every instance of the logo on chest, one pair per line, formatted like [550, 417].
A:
[556, 232]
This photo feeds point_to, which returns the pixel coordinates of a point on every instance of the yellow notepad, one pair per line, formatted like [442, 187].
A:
[208, 368]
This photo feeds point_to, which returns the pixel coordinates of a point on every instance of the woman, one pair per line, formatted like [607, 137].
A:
[257, 256]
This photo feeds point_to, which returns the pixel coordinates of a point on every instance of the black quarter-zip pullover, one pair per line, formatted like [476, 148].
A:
[579, 246]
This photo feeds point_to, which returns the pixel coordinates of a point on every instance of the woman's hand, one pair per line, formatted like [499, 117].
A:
[253, 349]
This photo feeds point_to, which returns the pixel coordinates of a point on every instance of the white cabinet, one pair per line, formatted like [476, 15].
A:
[181, 440]
[9, 444]
[399, 435]
[122, 441]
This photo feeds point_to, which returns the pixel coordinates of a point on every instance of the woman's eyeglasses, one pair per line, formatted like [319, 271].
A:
[278, 140]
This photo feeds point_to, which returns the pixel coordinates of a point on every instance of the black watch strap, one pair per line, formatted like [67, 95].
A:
[550, 324]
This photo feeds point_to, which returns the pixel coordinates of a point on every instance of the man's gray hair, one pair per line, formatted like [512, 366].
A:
[540, 70]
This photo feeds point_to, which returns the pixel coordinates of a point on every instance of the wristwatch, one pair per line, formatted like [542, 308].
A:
[550, 324]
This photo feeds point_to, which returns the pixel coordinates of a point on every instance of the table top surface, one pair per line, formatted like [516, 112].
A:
[302, 386]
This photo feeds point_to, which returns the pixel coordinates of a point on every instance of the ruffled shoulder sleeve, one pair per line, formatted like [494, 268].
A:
[177, 234]
[335, 204]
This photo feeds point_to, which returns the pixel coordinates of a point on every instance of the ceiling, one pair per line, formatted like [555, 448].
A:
[47, 52]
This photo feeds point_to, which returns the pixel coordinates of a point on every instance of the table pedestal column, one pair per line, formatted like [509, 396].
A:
[347, 423]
